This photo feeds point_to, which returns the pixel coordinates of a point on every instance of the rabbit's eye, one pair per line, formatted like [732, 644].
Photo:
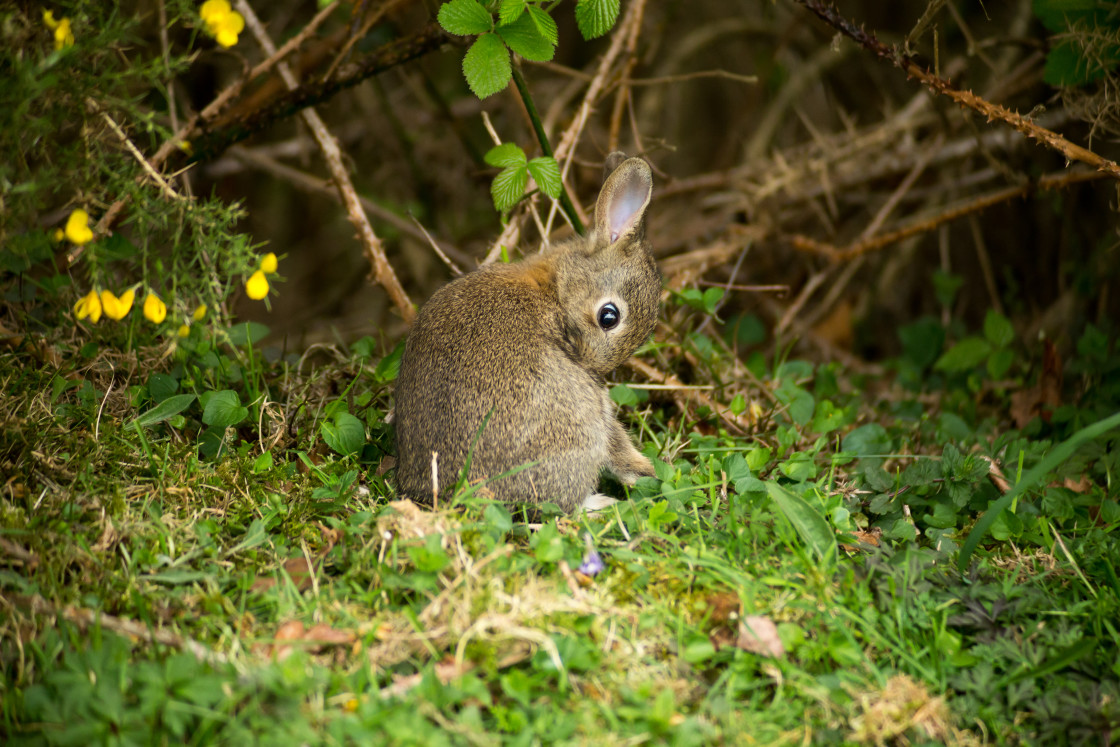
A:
[609, 316]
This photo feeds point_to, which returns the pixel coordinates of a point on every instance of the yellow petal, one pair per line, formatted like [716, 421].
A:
[63, 36]
[268, 263]
[48, 18]
[213, 9]
[199, 313]
[226, 38]
[59, 234]
[88, 305]
[184, 330]
[77, 227]
[114, 307]
[257, 286]
[155, 310]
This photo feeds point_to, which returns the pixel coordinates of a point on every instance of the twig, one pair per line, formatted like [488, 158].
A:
[828, 13]
[375, 252]
[164, 187]
[1049, 181]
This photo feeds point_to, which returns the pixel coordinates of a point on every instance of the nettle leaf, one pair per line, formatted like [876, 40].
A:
[486, 66]
[544, 23]
[965, 355]
[464, 18]
[523, 37]
[546, 173]
[595, 17]
[505, 155]
[509, 11]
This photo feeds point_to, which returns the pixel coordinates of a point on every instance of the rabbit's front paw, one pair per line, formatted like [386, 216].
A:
[596, 502]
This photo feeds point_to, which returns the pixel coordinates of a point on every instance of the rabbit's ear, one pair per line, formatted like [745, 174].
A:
[622, 203]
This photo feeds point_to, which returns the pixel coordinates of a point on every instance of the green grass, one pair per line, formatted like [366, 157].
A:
[229, 577]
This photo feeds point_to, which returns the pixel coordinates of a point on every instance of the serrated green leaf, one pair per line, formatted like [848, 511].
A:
[546, 173]
[964, 356]
[505, 156]
[464, 18]
[224, 409]
[544, 23]
[168, 408]
[486, 66]
[998, 329]
[596, 17]
[523, 37]
[345, 434]
[509, 11]
[509, 186]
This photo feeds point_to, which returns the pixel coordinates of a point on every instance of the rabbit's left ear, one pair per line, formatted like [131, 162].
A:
[621, 208]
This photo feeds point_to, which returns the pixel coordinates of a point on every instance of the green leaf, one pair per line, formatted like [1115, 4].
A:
[624, 395]
[922, 341]
[464, 18]
[801, 403]
[998, 329]
[525, 38]
[345, 433]
[505, 156]
[712, 296]
[429, 557]
[247, 333]
[486, 66]
[508, 187]
[1034, 476]
[546, 173]
[169, 408]
[812, 527]
[544, 23]
[509, 11]
[964, 356]
[999, 363]
[161, 386]
[799, 466]
[388, 367]
[596, 17]
[223, 409]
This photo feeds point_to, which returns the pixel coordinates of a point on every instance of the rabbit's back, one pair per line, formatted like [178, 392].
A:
[491, 343]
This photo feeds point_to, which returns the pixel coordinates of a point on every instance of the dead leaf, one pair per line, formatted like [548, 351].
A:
[870, 537]
[723, 607]
[759, 635]
[836, 328]
[315, 639]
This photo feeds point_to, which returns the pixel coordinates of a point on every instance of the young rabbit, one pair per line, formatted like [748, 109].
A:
[525, 349]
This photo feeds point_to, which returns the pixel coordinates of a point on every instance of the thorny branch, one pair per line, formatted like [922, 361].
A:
[866, 39]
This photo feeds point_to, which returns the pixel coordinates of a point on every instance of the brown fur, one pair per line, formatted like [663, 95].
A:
[521, 342]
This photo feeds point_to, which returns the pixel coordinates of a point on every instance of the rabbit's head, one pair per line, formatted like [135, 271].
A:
[607, 282]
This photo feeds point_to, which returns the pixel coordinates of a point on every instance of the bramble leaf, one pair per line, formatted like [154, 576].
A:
[595, 17]
[509, 186]
[546, 173]
[509, 11]
[505, 156]
[464, 18]
[486, 66]
[523, 37]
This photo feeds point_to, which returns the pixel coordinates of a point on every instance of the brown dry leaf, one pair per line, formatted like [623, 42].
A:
[1081, 485]
[870, 537]
[297, 568]
[445, 671]
[1042, 398]
[759, 635]
[315, 639]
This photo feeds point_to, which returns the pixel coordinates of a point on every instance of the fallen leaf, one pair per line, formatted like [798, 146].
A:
[1040, 399]
[759, 635]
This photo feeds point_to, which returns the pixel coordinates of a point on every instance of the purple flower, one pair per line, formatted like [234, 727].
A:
[592, 564]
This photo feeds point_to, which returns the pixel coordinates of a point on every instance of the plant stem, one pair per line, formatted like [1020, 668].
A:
[565, 200]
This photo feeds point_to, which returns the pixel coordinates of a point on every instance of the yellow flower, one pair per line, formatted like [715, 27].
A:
[184, 330]
[59, 234]
[155, 310]
[222, 23]
[257, 286]
[199, 313]
[117, 308]
[63, 35]
[77, 227]
[88, 305]
[268, 263]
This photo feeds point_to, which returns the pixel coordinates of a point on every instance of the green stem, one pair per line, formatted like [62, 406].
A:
[565, 200]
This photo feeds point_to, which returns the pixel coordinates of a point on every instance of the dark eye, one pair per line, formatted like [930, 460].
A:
[609, 316]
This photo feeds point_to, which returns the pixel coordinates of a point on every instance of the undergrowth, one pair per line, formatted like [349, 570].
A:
[180, 574]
